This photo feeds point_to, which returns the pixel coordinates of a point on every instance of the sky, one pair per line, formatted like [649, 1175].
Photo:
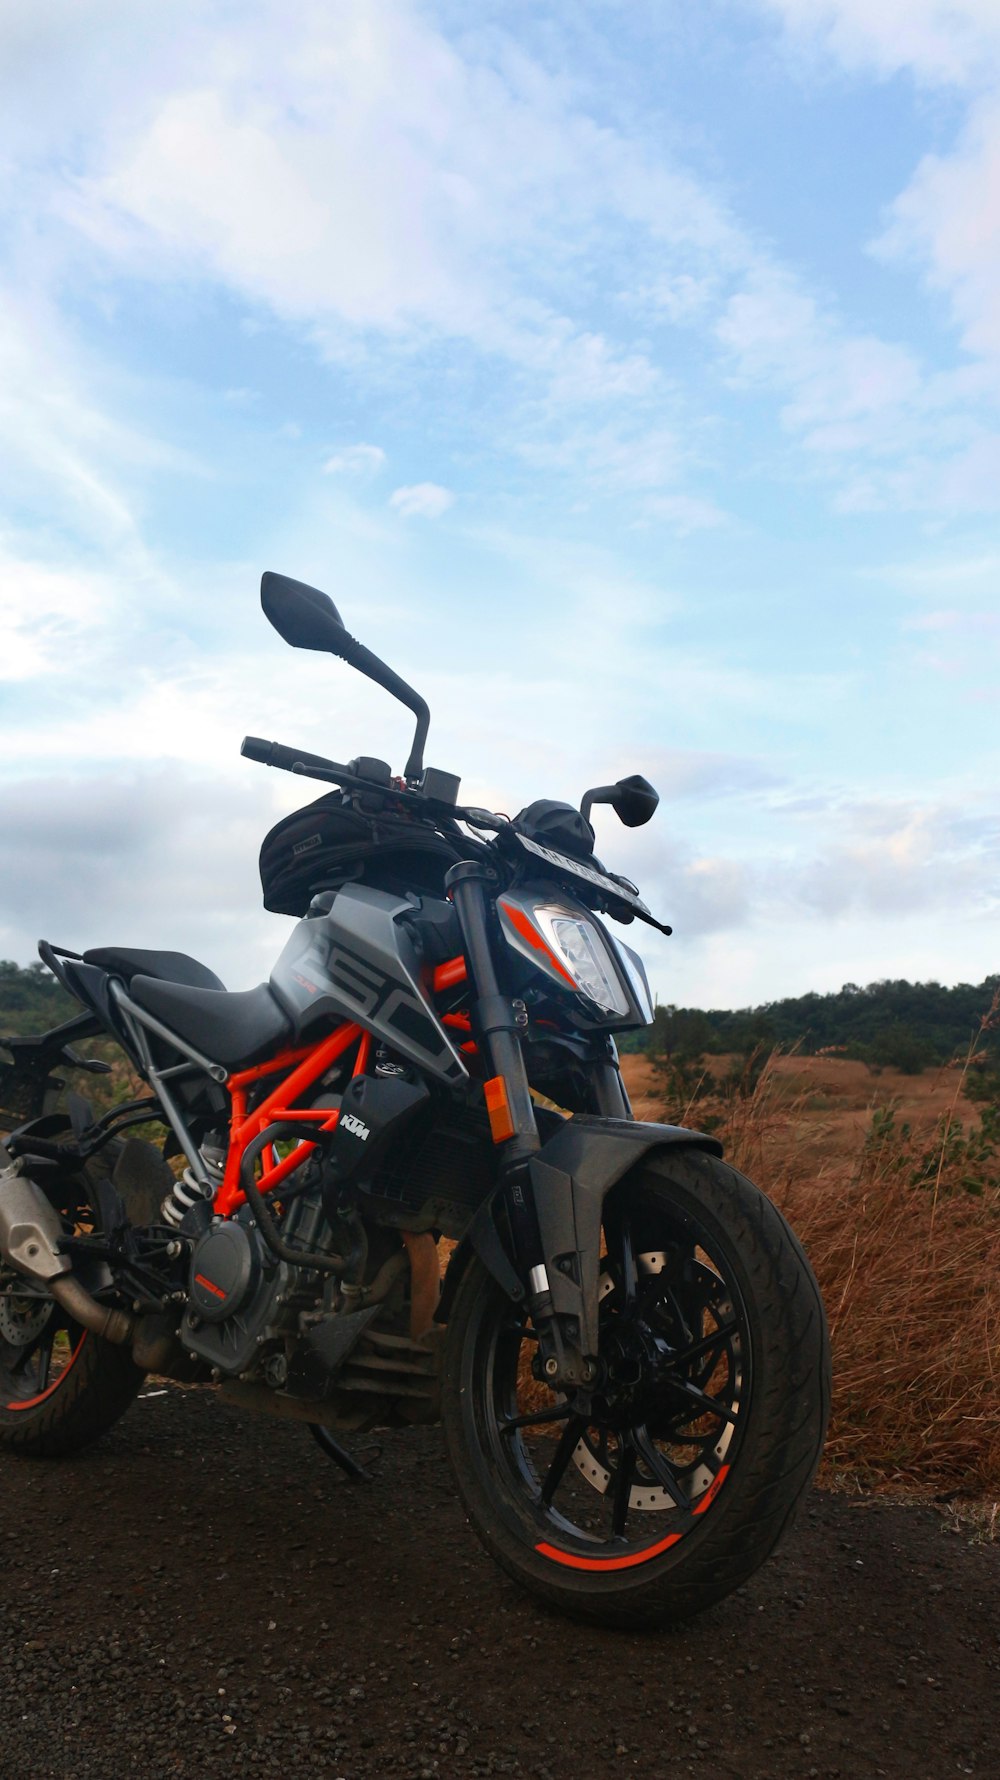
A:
[627, 371]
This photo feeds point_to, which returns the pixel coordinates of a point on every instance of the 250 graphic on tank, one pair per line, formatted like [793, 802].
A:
[628, 1350]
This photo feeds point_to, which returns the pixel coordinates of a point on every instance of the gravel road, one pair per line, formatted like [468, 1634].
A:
[203, 1595]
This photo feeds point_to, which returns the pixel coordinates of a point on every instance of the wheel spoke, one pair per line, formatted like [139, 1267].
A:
[558, 1414]
[710, 1405]
[659, 1466]
[568, 1442]
[687, 1355]
[623, 1486]
[44, 1352]
[678, 1311]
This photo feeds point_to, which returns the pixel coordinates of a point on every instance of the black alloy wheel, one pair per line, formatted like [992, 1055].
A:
[666, 1484]
[39, 1343]
[619, 1474]
[60, 1386]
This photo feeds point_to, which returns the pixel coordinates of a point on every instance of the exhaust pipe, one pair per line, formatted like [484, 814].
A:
[30, 1233]
[100, 1319]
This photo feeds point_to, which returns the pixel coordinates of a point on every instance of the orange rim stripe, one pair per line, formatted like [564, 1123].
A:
[572, 1562]
[30, 1402]
[713, 1489]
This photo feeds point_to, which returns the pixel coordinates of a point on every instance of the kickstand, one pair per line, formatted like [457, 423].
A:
[339, 1454]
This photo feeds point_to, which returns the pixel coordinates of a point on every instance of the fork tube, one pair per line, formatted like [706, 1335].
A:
[496, 1031]
[493, 1019]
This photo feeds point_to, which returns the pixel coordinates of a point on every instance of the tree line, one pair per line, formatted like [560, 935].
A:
[896, 1024]
[31, 999]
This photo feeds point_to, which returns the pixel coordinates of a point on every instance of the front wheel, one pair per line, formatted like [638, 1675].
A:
[671, 1481]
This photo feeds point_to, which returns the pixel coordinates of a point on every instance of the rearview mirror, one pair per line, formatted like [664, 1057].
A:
[302, 615]
[309, 619]
[633, 800]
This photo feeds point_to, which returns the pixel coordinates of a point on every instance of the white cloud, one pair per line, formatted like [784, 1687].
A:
[381, 188]
[948, 221]
[941, 42]
[121, 858]
[47, 612]
[354, 171]
[685, 513]
[886, 433]
[355, 460]
[840, 385]
[888, 859]
[422, 500]
[929, 576]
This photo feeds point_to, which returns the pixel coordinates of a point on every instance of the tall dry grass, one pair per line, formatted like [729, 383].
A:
[904, 1237]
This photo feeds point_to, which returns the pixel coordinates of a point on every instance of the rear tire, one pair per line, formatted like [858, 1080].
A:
[658, 1508]
[61, 1387]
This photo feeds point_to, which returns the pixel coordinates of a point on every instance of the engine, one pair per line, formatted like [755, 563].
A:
[360, 1345]
[236, 1292]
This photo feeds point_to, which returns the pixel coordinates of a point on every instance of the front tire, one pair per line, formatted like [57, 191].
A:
[672, 1483]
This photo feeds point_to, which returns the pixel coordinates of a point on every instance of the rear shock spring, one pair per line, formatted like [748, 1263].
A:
[189, 1190]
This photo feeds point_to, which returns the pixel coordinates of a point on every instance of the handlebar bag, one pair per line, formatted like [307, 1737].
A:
[329, 843]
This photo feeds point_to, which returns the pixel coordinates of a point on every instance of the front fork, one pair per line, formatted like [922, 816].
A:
[497, 1029]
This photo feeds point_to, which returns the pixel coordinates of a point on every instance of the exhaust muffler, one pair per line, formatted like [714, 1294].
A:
[30, 1234]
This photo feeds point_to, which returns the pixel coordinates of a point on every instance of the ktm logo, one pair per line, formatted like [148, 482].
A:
[351, 1122]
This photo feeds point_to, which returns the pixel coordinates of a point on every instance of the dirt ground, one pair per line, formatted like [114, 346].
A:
[202, 1595]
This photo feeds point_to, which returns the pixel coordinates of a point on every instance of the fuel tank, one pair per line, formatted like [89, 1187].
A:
[357, 962]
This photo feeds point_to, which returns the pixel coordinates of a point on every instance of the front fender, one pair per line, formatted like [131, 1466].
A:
[570, 1175]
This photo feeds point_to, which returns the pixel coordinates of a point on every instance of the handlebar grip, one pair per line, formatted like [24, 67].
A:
[253, 747]
[277, 754]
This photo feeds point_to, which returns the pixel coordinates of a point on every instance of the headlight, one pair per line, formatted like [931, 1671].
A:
[582, 950]
[635, 970]
[569, 946]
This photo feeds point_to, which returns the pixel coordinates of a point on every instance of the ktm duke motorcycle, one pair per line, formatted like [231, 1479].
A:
[629, 1352]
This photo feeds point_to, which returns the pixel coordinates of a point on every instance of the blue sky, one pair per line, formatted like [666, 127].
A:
[628, 373]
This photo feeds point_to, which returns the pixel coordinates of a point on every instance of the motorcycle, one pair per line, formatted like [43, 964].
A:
[627, 1349]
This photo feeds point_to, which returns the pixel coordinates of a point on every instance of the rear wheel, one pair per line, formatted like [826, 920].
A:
[60, 1385]
[665, 1487]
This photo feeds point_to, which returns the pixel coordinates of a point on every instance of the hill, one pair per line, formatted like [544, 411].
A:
[902, 1025]
[31, 999]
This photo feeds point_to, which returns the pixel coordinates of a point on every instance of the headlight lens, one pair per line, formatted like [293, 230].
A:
[635, 970]
[580, 947]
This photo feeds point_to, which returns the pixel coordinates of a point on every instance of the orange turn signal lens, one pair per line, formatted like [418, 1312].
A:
[497, 1105]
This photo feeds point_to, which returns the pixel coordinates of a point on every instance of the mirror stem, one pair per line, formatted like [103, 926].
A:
[374, 669]
[599, 794]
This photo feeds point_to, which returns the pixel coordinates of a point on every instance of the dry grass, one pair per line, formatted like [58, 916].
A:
[901, 1221]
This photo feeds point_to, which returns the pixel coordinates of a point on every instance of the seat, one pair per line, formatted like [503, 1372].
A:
[167, 967]
[233, 1029]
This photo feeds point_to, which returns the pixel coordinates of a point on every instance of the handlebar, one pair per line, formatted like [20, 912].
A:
[315, 766]
[254, 747]
[440, 810]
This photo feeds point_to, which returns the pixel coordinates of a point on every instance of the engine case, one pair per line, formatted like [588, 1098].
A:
[237, 1288]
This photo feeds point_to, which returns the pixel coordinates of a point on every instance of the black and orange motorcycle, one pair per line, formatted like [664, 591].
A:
[628, 1350]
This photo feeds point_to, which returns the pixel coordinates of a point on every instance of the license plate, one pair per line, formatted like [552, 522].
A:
[576, 867]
